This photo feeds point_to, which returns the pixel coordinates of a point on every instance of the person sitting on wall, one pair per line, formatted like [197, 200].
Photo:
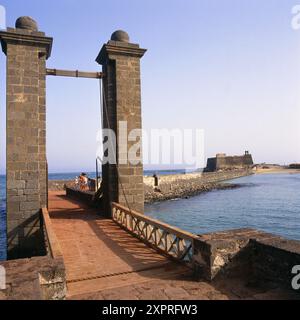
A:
[83, 181]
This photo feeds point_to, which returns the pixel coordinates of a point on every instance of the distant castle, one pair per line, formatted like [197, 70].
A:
[222, 162]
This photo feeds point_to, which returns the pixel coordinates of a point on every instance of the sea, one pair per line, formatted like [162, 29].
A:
[269, 202]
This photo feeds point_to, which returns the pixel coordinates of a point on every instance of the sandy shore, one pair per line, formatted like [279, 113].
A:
[276, 170]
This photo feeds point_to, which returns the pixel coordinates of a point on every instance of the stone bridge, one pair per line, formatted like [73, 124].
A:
[60, 248]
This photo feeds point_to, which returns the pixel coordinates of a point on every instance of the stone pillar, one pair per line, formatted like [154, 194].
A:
[120, 60]
[27, 51]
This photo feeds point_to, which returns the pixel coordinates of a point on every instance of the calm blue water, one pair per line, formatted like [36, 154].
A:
[267, 202]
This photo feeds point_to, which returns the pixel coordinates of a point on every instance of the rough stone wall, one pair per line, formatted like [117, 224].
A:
[59, 185]
[38, 278]
[229, 162]
[26, 140]
[294, 166]
[109, 171]
[274, 258]
[254, 255]
[225, 252]
[130, 182]
[234, 162]
[186, 185]
[211, 165]
[122, 92]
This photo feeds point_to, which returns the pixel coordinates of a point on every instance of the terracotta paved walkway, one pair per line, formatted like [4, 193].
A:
[97, 253]
[104, 262]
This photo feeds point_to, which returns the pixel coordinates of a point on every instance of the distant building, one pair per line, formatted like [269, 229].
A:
[222, 162]
[294, 166]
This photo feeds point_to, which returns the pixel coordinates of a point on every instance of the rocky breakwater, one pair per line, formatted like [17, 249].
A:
[177, 185]
[187, 185]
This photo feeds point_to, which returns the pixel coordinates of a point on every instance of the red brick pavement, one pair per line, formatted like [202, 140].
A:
[97, 253]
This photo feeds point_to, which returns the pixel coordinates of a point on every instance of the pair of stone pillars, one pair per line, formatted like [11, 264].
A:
[27, 50]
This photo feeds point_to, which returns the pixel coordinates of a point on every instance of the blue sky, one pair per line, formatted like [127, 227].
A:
[230, 67]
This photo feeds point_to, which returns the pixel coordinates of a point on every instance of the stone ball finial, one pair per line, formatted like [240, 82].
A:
[120, 35]
[26, 23]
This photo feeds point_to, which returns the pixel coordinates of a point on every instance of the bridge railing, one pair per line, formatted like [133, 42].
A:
[168, 240]
[52, 245]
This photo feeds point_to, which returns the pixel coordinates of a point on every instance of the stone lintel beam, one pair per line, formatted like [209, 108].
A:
[119, 48]
[26, 37]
